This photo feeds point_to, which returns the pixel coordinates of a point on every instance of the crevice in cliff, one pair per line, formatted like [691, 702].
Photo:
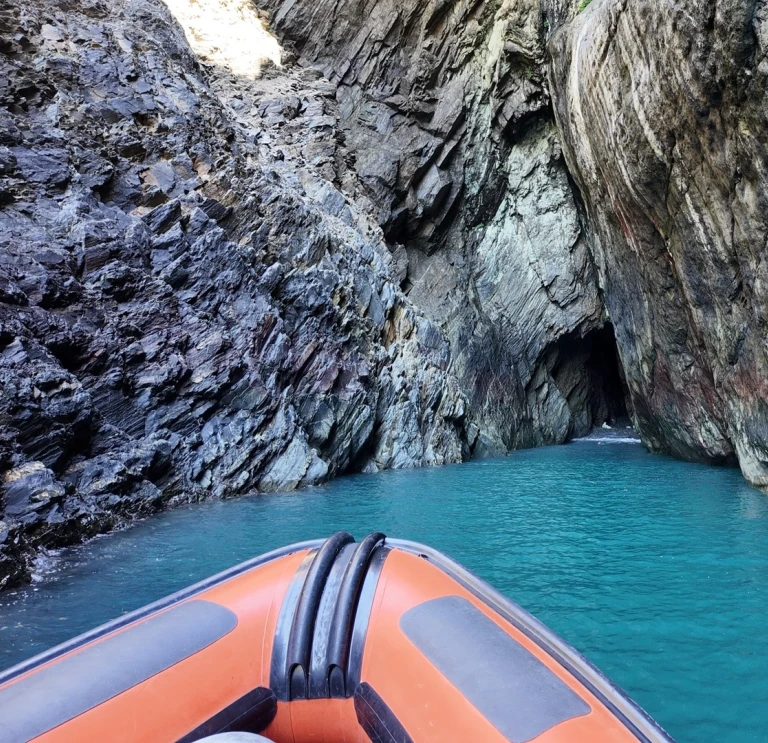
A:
[609, 379]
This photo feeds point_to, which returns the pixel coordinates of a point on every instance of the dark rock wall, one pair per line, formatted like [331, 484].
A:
[662, 112]
[446, 109]
[189, 306]
[215, 283]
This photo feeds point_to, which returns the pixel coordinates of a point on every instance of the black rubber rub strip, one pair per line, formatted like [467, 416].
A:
[362, 619]
[376, 719]
[278, 672]
[343, 619]
[251, 713]
[318, 665]
[302, 631]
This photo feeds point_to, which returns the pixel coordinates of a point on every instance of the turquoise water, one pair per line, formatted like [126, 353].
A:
[656, 570]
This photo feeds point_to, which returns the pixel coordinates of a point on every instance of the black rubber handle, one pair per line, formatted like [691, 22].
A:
[300, 642]
[344, 615]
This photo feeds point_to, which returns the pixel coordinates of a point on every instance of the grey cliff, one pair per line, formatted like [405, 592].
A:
[187, 309]
[446, 108]
[664, 114]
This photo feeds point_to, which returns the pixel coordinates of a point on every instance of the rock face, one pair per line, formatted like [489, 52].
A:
[189, 305]
[446, 109]
[663, 114]
[221, 276]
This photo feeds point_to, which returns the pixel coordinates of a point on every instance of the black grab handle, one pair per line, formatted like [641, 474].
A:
[315, 651]
[302, 631]
[344, 615]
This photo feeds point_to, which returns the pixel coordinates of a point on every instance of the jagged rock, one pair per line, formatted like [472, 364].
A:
[446, 109]
[220, 276]
[28, 490]
[45, 167]
[190, 306]
[297, 465]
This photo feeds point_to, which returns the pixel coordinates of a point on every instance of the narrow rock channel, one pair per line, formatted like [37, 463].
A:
[249, 246]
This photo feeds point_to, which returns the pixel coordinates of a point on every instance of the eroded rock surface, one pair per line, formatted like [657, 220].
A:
[218, 276]
[189, 304]
[663, 113]
[446, 109]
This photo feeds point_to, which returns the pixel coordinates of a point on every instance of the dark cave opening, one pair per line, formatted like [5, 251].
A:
[589, 374]
[608, 380]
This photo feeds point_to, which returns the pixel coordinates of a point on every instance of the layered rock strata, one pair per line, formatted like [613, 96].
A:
[662, 110]
[446, 109]
[189, 304]
[221, 276]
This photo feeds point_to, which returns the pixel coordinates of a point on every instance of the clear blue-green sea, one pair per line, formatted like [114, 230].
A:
[655, 569]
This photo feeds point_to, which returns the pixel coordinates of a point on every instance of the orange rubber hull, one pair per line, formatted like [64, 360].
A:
[325, 642]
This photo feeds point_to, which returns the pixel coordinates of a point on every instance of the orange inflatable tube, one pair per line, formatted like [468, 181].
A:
[323, 642]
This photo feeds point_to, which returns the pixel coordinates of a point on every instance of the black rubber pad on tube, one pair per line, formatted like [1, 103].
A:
[506, 683]
[376, 718]
[73, 685]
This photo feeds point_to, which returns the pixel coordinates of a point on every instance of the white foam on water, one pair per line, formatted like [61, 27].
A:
[608, 440]
[46, 564]
[607, 434]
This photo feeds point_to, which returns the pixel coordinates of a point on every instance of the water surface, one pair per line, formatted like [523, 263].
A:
[656, 570]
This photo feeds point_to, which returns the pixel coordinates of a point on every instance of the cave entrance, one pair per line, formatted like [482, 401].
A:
[609, 386]
[589, 374]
